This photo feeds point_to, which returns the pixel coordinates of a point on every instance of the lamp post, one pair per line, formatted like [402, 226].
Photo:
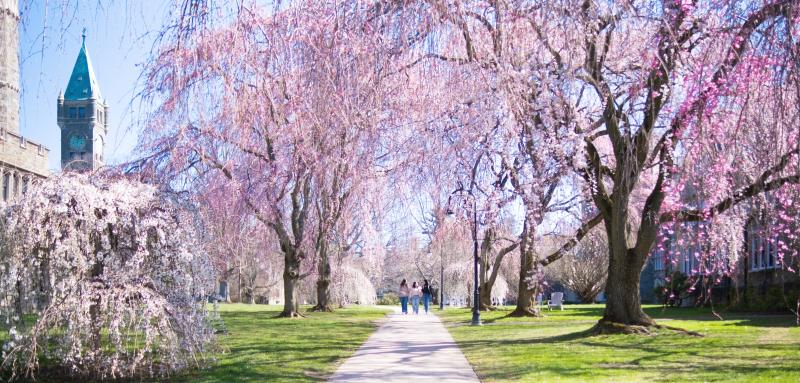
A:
[441, 280]
[476, 302]
[476, 305]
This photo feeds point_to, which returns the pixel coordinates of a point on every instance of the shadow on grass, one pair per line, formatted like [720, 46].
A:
[656, 372]
[659, 313]
[613, 358]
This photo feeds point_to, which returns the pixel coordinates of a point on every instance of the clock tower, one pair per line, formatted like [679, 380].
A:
[82, 117]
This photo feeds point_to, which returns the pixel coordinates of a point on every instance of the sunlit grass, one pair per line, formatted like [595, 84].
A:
[740, 348]
[262, 348]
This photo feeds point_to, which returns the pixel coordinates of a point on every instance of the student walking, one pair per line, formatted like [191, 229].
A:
[426, 295]
[416, 293]
[404, 296]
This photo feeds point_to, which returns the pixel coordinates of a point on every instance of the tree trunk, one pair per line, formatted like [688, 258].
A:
[323, 282]
[486, 296]
[622, 291]
[291, 275]
[525, 306]
[323, 293]
[94, 313]
[239, 284]
[623, 312]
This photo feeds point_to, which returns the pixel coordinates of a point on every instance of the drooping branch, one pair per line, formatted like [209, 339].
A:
[569, 245]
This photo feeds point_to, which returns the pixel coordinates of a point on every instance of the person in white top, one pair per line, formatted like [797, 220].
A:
[416, 294]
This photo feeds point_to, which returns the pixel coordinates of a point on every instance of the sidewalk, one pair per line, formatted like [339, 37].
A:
[407, 348]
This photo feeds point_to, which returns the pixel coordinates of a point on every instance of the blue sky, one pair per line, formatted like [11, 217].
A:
[119, 38]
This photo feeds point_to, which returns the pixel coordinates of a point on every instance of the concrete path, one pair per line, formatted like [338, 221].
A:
[407, 348]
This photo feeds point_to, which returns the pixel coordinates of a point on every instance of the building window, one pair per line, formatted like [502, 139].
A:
[689, 259]
[686, 262]
[658, 261]
[763, 251]
[6, 178]
[81, 112]
[73, 112]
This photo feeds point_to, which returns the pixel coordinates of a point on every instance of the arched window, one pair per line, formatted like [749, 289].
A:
[6, 180]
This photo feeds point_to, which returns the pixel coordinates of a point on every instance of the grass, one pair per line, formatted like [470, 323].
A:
[557, 348]
[262, 348]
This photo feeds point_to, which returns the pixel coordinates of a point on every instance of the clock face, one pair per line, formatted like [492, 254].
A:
[77, 142]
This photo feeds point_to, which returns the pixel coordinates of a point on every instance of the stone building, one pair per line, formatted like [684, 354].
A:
[758, 280]
[82, 117]
[21, 161]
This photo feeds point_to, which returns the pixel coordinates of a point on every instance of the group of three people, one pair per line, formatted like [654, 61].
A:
[415, 293]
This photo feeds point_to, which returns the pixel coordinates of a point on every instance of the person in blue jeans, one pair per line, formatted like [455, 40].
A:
[404, 296]
[426, 294]
[416, 293]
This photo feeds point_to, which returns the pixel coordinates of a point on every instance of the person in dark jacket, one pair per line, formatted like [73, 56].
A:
[426, 294]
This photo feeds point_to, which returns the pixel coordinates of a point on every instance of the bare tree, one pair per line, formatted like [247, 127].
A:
[584, 270]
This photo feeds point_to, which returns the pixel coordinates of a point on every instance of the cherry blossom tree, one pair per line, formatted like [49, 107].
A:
[293, 104]
[108, 267]
[243, 252]
[512, 133]
[624, 105]
[571, 74]
[674, 116]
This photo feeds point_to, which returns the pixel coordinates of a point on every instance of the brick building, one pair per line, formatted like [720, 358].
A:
[21, 160]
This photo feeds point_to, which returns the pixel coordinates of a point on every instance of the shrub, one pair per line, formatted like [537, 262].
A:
[107, 268]
[389, 299]
[676, 289]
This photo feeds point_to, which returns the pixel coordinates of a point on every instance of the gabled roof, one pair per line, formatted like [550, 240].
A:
[83, 83]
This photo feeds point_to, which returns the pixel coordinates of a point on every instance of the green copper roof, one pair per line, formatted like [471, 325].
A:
[83, 83]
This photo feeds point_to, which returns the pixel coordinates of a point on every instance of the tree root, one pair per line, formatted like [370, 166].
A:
[680, 330]
[604, 327]
[520, 312]
[290, 314]
[322, 309]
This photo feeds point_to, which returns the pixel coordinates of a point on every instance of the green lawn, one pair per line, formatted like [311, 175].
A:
[740, 348]
[262, 348]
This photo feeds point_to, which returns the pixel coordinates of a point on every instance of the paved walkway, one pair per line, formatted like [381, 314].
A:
[408, 348]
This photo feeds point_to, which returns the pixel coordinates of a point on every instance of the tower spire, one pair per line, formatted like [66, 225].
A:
[83, 83]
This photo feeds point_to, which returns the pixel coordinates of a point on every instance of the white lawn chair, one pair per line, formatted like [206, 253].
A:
[556, 300]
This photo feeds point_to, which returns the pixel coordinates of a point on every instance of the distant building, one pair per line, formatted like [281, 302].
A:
[758, 279]
[82, 117]
[21, 160]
